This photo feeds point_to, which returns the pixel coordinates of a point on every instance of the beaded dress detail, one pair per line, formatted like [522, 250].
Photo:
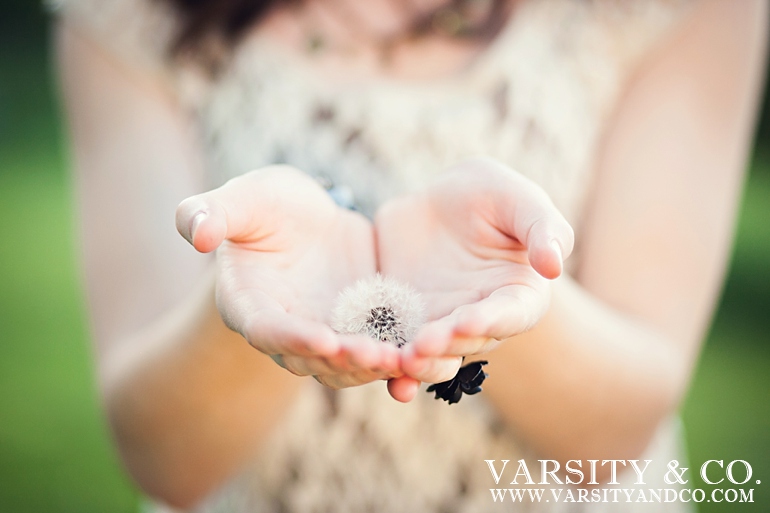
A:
[537, 99]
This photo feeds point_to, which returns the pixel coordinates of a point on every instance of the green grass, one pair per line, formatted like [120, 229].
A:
[55, 452]
[727, 413]
[55, 455]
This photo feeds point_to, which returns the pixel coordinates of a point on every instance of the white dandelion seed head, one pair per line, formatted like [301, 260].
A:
[380, 307]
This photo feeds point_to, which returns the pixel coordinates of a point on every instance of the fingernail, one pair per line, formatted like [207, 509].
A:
[196, 221]
[557, 249]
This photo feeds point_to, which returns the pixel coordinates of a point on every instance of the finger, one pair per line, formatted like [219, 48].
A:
[403, 389]
[363, 352]
[434, 369]
[454, 341]
[276, 332]
[346, 380]
[356, 354]
[507, 312]
[305, 366]
[442, 337]
[243, 205]
[528, 214]
[461, 345]
[432, 339]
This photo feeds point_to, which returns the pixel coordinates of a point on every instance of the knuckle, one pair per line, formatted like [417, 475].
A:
[290, 364]
[327, 382]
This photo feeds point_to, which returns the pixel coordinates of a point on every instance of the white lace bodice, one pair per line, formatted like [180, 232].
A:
[537, 99]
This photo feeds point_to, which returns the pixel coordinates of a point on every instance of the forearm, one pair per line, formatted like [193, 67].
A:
[587, 382]
[172, 390]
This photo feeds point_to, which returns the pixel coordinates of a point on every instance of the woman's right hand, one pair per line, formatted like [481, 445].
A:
[285, 251]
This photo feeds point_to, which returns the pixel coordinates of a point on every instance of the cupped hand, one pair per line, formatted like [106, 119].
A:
[480, 246]
[285, 251]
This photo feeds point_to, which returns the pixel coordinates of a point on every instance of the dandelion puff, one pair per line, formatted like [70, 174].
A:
[381, 308]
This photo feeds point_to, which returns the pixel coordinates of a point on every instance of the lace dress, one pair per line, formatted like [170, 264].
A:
[537, 99]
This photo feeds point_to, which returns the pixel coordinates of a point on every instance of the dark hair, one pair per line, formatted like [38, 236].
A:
[223, 22]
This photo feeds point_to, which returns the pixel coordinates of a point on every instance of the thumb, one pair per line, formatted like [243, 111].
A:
[549, 242]
[245, 205]
[530, 216]
[526, 213]
[202, 221]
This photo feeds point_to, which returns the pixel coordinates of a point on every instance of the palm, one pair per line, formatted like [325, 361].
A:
[300, 262]
[285, 251]
[451, 261]
[464, 245]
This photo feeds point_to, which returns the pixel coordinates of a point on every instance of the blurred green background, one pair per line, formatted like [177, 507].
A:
[55, 453]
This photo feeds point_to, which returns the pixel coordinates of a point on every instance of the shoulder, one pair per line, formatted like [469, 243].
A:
[665, 26]
[630, 31]
[136, 31]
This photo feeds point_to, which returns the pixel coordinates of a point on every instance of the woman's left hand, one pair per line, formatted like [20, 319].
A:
[480, 246]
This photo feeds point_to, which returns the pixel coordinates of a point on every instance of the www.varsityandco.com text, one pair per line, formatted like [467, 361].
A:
[579, 480]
